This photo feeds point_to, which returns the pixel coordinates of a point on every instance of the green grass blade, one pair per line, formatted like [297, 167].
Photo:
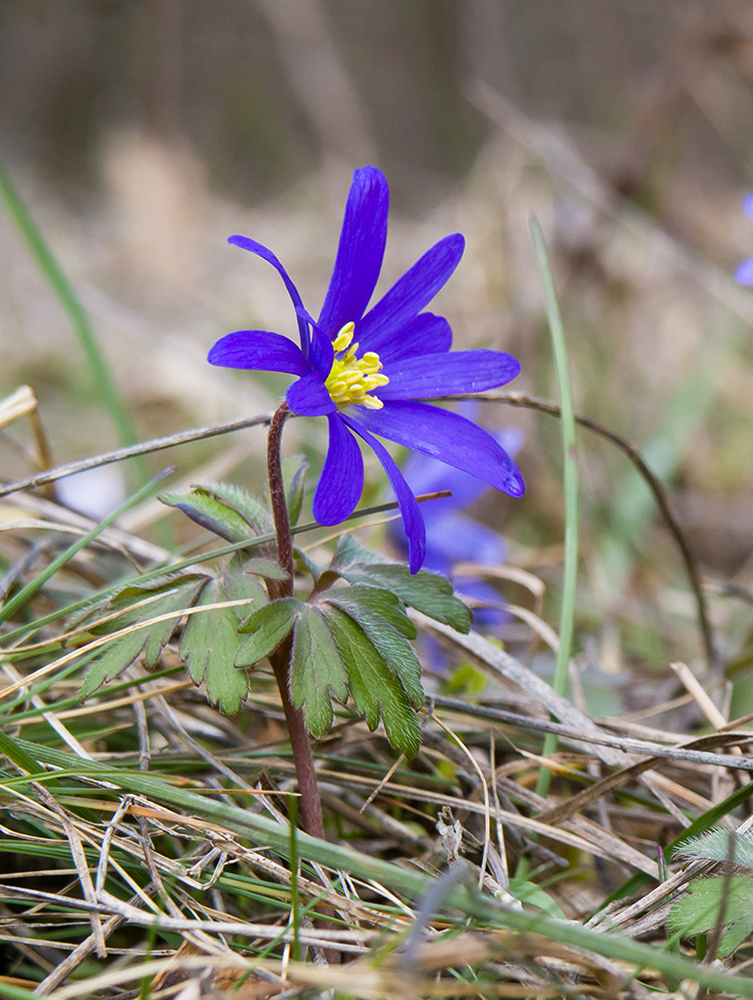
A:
[175, 567]
[23, 595]
[570, 482]
[7, 990]
[60, 285]
[263, 830]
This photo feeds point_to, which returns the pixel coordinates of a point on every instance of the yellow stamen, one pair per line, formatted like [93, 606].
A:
[351, 379]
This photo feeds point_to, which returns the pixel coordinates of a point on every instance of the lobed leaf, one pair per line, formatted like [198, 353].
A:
[171, 596]
[241, 585]
[350, 551]
[428, 593]
[268, 626]
[210, 643]
[373, 601]
[707, 899]
[375, 611]
[317, 671]
[375, 688]
[719, 844]
[266, 568]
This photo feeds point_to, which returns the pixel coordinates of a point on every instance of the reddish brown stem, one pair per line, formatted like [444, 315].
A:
[277, 499]
[311, 806]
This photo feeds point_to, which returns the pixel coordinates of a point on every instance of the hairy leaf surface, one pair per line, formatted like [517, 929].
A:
[369, 601]
[267, 627]
[167, 597]
[317, 671]
[370, 608]
[375, 688]
[428, 593]
[223, 509]
[210, 643]
[710, 899]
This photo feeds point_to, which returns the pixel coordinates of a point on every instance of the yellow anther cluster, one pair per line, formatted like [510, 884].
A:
[352, 379]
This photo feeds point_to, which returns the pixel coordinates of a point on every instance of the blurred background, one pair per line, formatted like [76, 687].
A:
[142, 133]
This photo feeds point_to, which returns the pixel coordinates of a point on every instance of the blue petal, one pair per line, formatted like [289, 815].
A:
[748, 205]
[459, 539]
[446, 436]
[412, 520]
[341, 482]
[309, 397]
[360, 252]
[424, 334]
[429, 475]
[744, 272]
[259, 350]
[410, 294]
[261, 251]
[322, 353]
[454, 539]
[433, 375]
[487, 617]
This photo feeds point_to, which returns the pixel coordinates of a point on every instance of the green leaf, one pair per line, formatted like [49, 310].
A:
[430, 594]
[316, 671]
[375, 688]
[350, 551]
[719, 844]
[375, 611]
[268, 627]
[240, 585]
[170, 596]
[234, 497]
[223, 509]
[304, 562]
[373, 601]
[209, 514]
[534, 895]
[266, 568]
[211, 641]
[294, 475]
[21, 757]
[698, 912]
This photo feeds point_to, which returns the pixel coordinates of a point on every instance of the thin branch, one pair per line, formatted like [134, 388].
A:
[627, 744]
[144, 448]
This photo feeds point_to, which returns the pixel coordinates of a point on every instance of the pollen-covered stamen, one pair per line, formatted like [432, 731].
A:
[351, 378]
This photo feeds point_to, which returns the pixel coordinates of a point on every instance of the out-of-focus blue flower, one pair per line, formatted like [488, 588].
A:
[744, 271]
[451, 536]
[369, 371]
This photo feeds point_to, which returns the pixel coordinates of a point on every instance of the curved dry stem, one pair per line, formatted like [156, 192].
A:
[653, 483]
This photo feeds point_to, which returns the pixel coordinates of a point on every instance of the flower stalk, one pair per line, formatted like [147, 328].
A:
[311, 807]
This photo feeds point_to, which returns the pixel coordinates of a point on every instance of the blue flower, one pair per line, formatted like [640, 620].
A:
[369, 371]
[744, 271]
[451, 536]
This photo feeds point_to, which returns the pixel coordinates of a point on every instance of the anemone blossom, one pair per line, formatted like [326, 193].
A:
[744, 271]
[454, 537]
[369, 372]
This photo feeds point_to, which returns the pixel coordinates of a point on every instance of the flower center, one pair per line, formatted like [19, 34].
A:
[351, 379]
